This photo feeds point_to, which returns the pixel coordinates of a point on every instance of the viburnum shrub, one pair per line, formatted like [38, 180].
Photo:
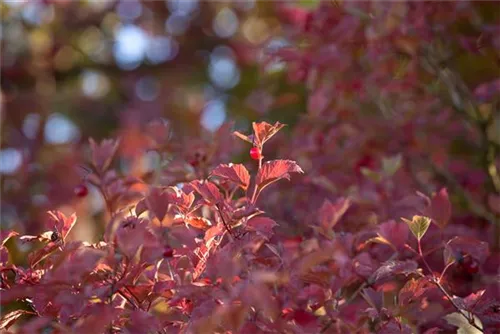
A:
[202, 257]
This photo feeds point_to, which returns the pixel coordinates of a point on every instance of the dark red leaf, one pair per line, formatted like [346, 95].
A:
[396, 233]
[235, 173]
[478, 250]
[440, 208]
[330, 214]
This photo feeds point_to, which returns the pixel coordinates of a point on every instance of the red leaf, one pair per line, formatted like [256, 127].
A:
[208, 191]
[440, 208]
[272, 171]
[391, 268]
[413, 289]
[103, 153]
[330, 214]
[159, 131]
[396, 233]
[264, 131]
[263, 225]
[157, 202]
[235, 173]
[9, 319]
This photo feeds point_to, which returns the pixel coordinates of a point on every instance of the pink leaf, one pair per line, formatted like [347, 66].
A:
[440, 208]
[274, 170]
[103, 153]
[235, 173]
[157, 202]
[62, 223]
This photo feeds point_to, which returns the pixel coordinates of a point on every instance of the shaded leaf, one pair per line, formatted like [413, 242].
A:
[479, 250]
[6, 235]
[208, 191]
[440, 208]
[235, 173]
[330, 214]
[418, 225]
[157, 202]
[391, 268]
[394, 232]
[263, 225]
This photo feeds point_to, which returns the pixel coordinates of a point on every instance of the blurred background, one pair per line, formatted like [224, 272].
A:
[78, 69]
[357, 83]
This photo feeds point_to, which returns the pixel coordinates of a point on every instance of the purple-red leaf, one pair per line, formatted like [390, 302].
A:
[394, 232]
[157, 202]
[62, 223]
[391, 268]
[208, 191]
[103, 153]
[330, 214]
[440, 208]
[477, 249]
[263, 225]
[234, 173]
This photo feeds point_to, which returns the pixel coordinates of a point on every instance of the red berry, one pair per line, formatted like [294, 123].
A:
[81, 190]
[168, 252]
[255, 153]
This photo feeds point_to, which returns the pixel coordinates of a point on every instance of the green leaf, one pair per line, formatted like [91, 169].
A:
[418, 225]
[464, 327]
[391, 165]
[370, 174]
[308, 4]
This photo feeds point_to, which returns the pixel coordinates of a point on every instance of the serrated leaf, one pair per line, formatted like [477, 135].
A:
[264, 131]
[236, 173]
[272, 171]
[330, 214]
[418, 225]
